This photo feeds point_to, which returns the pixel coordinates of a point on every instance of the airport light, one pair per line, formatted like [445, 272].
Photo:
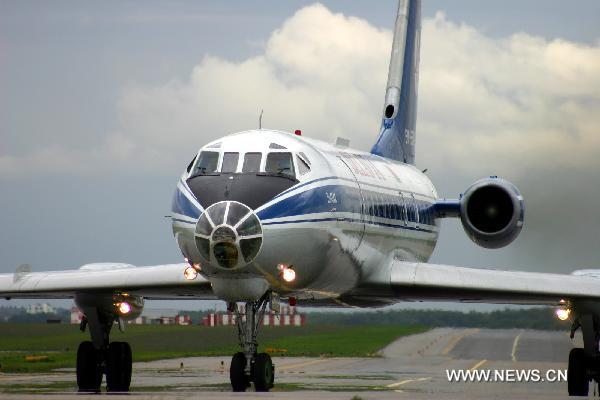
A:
[190, 273]
[563, 313]
[124, 308]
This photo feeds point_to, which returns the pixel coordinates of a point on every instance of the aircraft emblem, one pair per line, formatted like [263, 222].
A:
[331, 199]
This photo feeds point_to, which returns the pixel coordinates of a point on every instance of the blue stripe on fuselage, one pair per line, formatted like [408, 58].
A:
[348, 199]
[182, 205]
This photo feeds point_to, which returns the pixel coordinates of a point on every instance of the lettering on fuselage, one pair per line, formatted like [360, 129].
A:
[360, 165]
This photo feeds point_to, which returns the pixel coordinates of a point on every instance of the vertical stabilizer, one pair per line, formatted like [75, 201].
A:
[397, 136]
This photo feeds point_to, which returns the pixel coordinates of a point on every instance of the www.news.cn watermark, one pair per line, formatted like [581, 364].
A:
[506, 375]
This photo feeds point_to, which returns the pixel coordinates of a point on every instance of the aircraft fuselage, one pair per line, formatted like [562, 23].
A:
[330, 213]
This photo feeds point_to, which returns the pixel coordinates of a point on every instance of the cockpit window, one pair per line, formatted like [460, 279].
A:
[303, 167]
[230, 162]
[252, 162]
[303, 157]
[207, 162]
[280, 164]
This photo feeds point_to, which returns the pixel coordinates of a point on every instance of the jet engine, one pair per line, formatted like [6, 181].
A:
[492, 212]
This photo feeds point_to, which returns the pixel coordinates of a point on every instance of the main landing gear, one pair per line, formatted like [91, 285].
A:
[248, 365]
[584, 364]
[99, 357]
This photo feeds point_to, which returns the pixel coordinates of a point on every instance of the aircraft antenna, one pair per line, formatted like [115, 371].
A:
[260, 120]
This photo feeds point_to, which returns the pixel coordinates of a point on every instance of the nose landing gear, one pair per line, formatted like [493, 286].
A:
[250, 366]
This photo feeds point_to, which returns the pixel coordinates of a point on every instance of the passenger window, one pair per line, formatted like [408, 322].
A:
[207, 162]
[368, 205]
[280, 164]
[388, 207]
[404, 209]
[394, 209]
[303, 167]
[251, 162]
[416, 209]
[230, 162]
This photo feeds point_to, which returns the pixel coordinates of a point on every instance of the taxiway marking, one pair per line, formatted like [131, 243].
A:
[513, 354]
[479, 364]
[457, 339]
[393, 385]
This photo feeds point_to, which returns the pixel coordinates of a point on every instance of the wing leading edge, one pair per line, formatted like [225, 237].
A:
[422, 281]
[151, 282]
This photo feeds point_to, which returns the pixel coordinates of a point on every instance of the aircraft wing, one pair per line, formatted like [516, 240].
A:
[422, 281]
[152, 282]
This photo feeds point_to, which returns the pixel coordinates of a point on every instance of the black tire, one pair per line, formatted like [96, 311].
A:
[239, 381]
[577, 378]
[262, 372]
[118, 367]
[89, 371]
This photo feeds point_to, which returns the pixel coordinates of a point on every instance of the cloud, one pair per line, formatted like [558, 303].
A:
[502, 102]
[494, 102]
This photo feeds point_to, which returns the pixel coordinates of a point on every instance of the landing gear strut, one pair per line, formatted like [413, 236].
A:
[584, 364]
[98, 357]
[248, 366]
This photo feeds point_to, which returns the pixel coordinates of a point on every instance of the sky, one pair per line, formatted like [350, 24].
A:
[102, 106]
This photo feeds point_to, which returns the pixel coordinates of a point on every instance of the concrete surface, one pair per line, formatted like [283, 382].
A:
[411, 367]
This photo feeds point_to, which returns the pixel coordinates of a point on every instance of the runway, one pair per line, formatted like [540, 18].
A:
[412, 367]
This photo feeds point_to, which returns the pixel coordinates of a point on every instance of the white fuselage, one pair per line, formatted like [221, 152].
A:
[335, 225]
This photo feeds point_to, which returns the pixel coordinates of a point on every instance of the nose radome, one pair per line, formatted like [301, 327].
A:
[228, 235]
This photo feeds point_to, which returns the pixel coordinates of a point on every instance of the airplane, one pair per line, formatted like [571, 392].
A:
[264, 216]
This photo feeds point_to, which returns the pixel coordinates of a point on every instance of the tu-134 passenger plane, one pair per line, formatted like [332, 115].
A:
[265, 215]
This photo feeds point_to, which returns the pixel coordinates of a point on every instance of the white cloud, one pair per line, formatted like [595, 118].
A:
[490, 101]
[495, 102]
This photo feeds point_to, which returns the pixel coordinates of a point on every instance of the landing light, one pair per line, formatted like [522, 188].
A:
[287, 273]
[563, 313]
[190, 273]
[124, 308]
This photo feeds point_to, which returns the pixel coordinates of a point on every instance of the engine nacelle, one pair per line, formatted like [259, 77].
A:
[492, 212]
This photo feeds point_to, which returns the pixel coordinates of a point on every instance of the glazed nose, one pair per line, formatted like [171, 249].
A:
[228, 235]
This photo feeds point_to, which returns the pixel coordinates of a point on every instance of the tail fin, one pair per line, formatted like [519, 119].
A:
[397, 137]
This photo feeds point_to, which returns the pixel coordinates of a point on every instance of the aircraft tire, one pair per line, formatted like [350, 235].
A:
[577, 378]
[118, 367]
[89, 372]
[239, 381]
[263, 372]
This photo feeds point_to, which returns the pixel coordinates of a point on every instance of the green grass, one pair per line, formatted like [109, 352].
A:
[151, 342]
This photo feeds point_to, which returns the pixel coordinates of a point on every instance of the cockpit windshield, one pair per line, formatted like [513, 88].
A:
[230, 162]
[280, 163]
[252, 162]
[207, 162]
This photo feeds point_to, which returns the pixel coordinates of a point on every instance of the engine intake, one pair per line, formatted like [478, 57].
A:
[492, 212]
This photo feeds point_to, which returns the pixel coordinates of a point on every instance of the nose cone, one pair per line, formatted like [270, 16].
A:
[228, 235]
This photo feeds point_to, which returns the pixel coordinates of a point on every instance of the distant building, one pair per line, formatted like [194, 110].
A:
[287, 317]
[40, 308]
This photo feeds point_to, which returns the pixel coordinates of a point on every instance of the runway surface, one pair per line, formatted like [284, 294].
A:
[412, 367]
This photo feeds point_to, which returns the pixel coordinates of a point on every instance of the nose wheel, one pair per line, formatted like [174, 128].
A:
[249, 366]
